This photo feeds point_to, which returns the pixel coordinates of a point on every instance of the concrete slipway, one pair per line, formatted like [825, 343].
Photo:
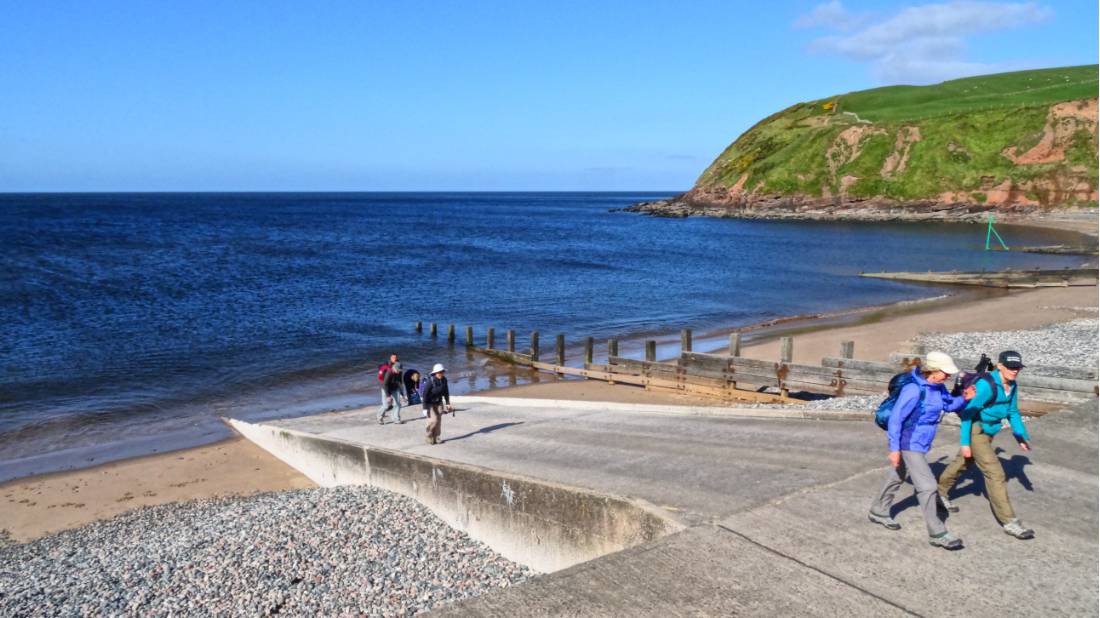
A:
[678, 511]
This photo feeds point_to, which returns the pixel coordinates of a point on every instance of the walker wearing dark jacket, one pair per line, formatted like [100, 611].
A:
[436, 392]
[392, 390]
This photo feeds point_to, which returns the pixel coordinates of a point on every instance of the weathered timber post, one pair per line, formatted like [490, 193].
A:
[490, 338]
[535, 346]
[651, 350]
[432, 329]
[589, 348]
[786, 353]
[847, 349]
[469, 336]
[735, 344]
[685, 340]
[559, 349]
[451, 334]
[612, 347]
[419, 327]
[511, 337]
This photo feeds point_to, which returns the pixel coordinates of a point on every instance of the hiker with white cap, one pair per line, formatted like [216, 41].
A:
[919, 400]
[994, 401]
[435, 393]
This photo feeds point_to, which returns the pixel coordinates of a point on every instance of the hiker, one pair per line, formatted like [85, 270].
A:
[434, 393]
[411, 379]
[392, 389]
[994, 401]
[918, 406]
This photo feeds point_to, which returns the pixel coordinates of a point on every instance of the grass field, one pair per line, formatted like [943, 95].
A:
[985, 92]
[964, 125]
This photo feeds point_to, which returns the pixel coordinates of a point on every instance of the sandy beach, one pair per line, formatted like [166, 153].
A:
[39, 505]
[36, 506]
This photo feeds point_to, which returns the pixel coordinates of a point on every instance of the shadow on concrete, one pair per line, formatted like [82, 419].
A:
[970, 480]
[484, 430]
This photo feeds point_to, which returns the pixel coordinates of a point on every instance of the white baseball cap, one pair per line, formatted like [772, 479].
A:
[439, 367]
[941, 361]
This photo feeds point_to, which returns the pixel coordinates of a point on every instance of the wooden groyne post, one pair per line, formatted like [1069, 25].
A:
[559, 348]
[685, 340]
[535, 346]
[735, 344]
[511, 337]
[786, 356]
[432, 329]
[847, 349]
[469, 336]
[589, 349]
[451, 334]
[419, 327]
[651, 350]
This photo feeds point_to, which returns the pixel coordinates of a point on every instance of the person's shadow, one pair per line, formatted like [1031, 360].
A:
[970, 480]
[484, 430]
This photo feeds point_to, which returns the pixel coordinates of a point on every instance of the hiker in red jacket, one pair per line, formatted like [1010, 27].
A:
[393, 388]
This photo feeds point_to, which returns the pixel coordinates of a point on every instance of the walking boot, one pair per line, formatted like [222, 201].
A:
[884, 520]
[948, 505]
[1016, 529]
[947, 541]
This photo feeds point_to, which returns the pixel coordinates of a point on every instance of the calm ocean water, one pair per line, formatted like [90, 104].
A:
[132, 321]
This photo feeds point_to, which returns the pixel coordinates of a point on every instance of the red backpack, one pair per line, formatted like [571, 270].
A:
[382, 369]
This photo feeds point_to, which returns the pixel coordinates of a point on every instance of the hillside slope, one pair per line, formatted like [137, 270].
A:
[1011, 141]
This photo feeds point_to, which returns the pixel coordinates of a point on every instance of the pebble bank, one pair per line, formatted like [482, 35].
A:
[329, 552]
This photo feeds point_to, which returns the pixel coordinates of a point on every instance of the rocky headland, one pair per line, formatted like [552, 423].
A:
[1022, 146]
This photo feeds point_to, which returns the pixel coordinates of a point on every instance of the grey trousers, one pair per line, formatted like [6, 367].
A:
[916, 466]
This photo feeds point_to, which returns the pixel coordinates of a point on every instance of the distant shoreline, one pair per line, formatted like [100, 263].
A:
[1071, 219]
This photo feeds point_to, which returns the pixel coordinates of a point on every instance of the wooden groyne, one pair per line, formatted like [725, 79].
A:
[1058, 250]
[732, 377]
[999, 279]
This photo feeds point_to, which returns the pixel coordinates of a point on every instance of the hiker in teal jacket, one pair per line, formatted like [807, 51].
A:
[992, 403]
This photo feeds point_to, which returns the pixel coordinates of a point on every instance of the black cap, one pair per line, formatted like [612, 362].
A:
[1011, 359]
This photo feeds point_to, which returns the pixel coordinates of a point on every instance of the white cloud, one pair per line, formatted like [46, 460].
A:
[919, 44]
[831, 15]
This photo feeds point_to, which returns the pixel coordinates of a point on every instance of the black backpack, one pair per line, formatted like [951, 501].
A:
[966, 379]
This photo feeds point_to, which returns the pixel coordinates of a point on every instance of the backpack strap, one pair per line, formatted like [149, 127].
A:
[919, 409]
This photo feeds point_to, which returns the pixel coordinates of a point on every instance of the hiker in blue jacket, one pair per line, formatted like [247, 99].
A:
[994, 401]
[910, 431]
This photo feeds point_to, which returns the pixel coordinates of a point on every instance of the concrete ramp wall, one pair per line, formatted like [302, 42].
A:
[543, 525]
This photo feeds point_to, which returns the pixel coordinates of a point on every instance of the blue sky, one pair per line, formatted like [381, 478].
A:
[178, 96]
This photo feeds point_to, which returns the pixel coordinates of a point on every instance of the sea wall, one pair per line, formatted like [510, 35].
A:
[543, 525]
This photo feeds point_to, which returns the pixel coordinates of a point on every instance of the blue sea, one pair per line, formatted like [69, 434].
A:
[132, 322]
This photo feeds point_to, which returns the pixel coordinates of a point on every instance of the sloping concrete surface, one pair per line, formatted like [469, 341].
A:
[700, 467]
[779, 513]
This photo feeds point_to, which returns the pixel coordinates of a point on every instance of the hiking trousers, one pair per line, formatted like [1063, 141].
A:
[915, 465]
[396, 396]
[435, 422]
[981, 446]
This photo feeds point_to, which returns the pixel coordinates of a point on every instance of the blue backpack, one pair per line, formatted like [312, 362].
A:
[898, 382]
[422, 388]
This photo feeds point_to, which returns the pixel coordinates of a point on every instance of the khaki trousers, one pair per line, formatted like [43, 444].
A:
[435, 422]
[981, 445]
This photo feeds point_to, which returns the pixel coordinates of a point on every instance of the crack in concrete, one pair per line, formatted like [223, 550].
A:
[817, 570]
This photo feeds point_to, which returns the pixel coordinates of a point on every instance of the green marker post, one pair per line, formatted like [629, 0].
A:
[990, 232]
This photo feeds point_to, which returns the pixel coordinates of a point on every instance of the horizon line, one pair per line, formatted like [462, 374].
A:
[334, 191]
